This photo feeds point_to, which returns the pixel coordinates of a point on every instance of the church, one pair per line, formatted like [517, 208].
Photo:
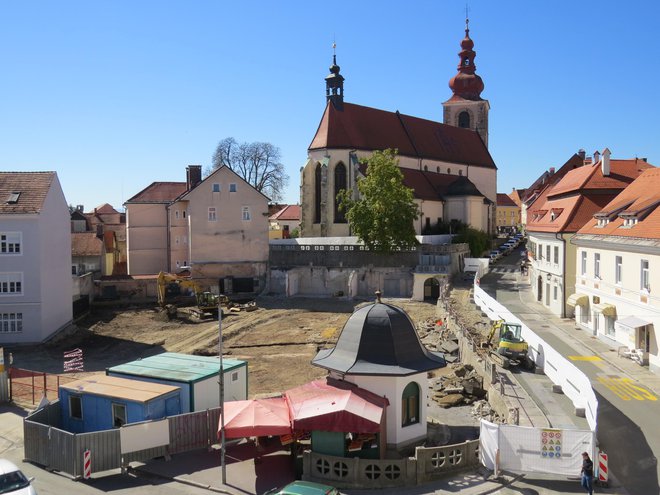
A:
[447, 165]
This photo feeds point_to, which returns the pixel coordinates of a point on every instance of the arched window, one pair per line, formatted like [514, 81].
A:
[460, 172]
[448, 171]
[410, 404]
[317, 194]
[340, 185]
[464, 119]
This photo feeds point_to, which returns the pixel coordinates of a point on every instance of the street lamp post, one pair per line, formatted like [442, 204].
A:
[221, 381]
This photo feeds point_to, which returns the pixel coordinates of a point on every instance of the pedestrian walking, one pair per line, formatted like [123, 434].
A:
[587, 473]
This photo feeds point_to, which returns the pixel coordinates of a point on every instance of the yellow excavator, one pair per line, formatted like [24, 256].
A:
[510, 348]
[171, 287]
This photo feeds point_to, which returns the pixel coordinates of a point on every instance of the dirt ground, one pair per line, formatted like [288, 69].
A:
[278, 339]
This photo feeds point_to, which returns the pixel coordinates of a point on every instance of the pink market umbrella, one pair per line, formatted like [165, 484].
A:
[256, 418]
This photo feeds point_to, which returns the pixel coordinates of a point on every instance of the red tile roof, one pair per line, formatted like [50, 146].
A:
[86, 244]
[580, 193]
[505, 200]
[159, 192]
[289, 212]
[431, 186]
[547, 179]
[365, 128]
[32, 188]
[641, 198]
[622, 173]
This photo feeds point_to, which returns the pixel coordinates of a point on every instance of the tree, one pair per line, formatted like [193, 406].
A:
[383, 216]
[257, 163]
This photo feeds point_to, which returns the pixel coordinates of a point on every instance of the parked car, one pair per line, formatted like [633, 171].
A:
[304, 488]
[13, 481]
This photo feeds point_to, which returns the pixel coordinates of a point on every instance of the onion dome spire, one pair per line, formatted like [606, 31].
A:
[466, 84]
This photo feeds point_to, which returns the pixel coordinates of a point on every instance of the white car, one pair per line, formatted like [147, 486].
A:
[13, 481]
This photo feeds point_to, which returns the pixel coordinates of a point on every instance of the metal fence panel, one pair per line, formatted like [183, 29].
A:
[189, 432]
[35, 443]
[104, 447]
[62, 451]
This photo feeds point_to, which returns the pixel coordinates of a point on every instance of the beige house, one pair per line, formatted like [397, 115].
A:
[284, 222]
[217, 226]
[447, 165]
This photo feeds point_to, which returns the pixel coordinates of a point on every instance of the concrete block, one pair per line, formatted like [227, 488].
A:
[580, 412]
[556, 389]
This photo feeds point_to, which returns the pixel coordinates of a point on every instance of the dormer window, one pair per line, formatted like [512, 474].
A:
[629, 222]
[602, 222]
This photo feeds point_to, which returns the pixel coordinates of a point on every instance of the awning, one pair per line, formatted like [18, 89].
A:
[606, 309]
[256, 418]
[577, 299]
[335, 405]
[633, 322]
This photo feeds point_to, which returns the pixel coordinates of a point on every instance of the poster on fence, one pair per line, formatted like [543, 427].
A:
[550, 446]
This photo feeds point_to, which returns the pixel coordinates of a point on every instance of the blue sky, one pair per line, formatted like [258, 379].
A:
[116, 95]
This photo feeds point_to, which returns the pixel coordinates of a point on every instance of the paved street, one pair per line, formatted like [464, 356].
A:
[627, 393]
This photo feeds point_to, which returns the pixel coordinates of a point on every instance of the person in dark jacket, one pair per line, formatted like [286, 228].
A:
[587, 473]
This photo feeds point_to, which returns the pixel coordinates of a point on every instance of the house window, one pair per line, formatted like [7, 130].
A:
[609, 326]
[340, 185]
[184, 213]
[460, 172]
[234, 376]
[11, 322]
[73, 269]
[212, 215]
[448, 171]
[10, 243]
[11, 283]
[584, 315]
[583, 263]
[185, 239]
[215, 187]
[555, 290]
[176, 214]
[75, 407]
[556, 257]
[618, 273]
[232, 187]
[246, 213]
[410, 404]
[540, 254]
[645, 283]
[597, 265]
[547, 253]
[118, 415]
[176, 240]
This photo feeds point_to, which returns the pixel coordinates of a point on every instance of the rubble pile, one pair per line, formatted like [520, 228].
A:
[481, 409]
[460, 387]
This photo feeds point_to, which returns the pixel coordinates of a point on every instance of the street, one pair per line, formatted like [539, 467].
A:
[628, 411]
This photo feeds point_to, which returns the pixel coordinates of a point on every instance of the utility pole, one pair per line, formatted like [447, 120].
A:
[221, 381]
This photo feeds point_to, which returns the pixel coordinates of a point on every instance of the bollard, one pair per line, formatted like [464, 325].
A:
[603, 475]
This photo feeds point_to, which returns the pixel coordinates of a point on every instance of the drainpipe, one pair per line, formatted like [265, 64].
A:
[563, 272]
[169, 238]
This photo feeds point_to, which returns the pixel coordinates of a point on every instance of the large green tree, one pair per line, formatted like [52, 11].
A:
[383, 215]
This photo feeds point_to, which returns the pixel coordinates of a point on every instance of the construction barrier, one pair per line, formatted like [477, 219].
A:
[603, 475]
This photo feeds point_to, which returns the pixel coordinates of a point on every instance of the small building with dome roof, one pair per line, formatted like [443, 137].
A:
[379, 350]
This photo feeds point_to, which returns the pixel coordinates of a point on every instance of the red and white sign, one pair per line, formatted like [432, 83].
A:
[87, 464]
[602, 467]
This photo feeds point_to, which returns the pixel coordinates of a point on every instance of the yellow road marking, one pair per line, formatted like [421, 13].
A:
[625, 389]
[584, 358]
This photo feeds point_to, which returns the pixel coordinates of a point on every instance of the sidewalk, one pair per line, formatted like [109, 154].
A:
[598, 346]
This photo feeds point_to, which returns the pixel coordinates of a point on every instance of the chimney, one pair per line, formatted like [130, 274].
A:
[80, 208]
[193, 176]
[552, 170]
[582, 154]
[605, 165]
[596, 156]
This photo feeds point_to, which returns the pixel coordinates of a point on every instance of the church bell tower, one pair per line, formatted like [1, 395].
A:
[466, 108]
[334, 83]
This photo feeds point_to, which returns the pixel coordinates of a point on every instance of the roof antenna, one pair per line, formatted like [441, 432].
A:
[378, 293]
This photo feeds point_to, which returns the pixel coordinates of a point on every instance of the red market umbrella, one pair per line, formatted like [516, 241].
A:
[256, 418]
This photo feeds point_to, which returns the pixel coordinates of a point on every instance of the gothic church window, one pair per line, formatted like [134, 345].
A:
[340, 185]
[317, 194]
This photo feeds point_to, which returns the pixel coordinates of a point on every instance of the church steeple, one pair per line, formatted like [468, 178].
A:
[466, 108]
[334, 82]
[466, 84]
